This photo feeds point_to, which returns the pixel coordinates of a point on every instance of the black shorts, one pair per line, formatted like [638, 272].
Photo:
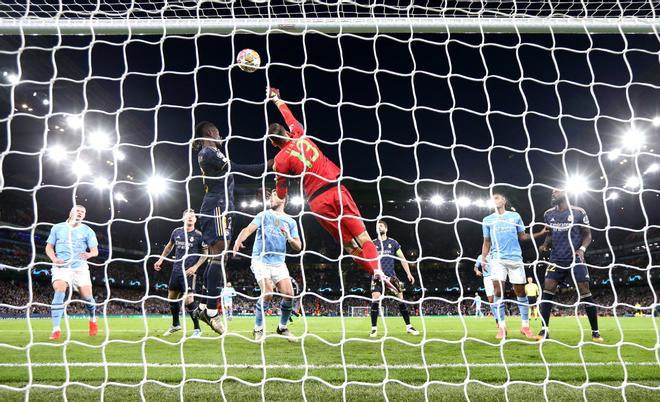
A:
[215, 226]
[531, 300]
[180, 283]
[563, 272]
[377, 286]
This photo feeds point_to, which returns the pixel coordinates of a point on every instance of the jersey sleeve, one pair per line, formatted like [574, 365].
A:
[397, 246]
[294, 125]
[281, 166]
[172, 236]
[52, 237]
[258, 219]
[91, 238]
[485, 228]
[293, 229]
[251, 169]
[215, 158]
[520, 226]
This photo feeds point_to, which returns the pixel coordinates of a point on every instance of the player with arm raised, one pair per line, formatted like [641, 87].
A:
[502, 232]
[215, 213]
[69, 246]
[275, 230]
[483, 270]
[389, 250]
[190, 253]
[568, 240]
[330, 201]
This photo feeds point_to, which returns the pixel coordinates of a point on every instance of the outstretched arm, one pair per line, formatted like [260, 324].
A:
[292, 123]
[245, 233]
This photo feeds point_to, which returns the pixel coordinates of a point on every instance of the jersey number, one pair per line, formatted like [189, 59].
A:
[304, 143]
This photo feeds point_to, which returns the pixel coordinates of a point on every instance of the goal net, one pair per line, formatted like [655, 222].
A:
[428, 109]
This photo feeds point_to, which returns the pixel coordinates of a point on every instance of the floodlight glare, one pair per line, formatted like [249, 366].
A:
[254, 203]
[613, 196]
[633, 183]
[45, 102]
[75, 122]
[463, 202]
[98, 140]
[56, 153]
[119, 155]
[652, 168]
[101, 183]
[244, 204]
[11, 78]
[156, 185]
[120, 197]
[656, 121]
[576, 184]
[437, 200]
[614, 154]
[80, 168]
[297, 200]
[633, 139]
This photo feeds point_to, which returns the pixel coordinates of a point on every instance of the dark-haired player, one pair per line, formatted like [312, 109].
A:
[570, 236]
[215, 212]
[390, 250]
[330, 201]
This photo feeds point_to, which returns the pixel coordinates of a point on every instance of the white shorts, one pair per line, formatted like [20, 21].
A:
[501, 269]
[488, 285]
[273, 272]
[76, 277]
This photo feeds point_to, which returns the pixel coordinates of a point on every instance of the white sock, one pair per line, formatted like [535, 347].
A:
[56, 329]
[282, 328]
[525, 323]
[93, 319]
[211, 312]
[408, 326]
[258, 328]
[502, 324]
[374, 328]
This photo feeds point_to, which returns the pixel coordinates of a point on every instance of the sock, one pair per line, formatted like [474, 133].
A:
[57, 309]
[189, 309]
[286, 307]
[260, 313]
[592, 311]
[493, 310]
[211, 312]
[374, 314]
[369, 252]
[175, 308]
[213, 282]
[546, 307]
[403, 309]
[501, 311]
[523, 306]
[90, 306]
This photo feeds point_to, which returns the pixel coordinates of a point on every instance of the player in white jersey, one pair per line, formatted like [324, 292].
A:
[228, 293]
[275, 230]
[69, 246]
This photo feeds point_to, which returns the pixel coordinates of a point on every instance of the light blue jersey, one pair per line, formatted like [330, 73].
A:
[485, 271]
[70, 242]
[503, 233]
[270, 243]
[228, 295]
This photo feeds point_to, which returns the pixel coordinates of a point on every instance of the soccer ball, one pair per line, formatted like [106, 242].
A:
[248, 60]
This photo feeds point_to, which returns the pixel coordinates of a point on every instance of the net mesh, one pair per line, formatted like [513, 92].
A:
[423, 126]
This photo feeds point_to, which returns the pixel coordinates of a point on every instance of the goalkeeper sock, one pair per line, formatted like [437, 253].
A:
[546, 307]
[286, 306]
[57, 309]
[523, 306]
[403, 309]
[260, 313]
[368, 252]
[374, 314]
[189, 310]
[175, 308]
[592, 311]
[213, 279]
[90, 306]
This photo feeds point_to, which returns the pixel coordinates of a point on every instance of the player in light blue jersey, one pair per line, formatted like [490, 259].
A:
[477, 306]
[502, 232]
[275, 230]
[69, 246]
[228, 293]
[483, 270]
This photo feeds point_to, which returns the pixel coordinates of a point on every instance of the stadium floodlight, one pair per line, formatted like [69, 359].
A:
[101, 183]
[156, 185]
[614, 154]
[57, 153]
[119, 155]
[633, 183]
[576, 184]
[45, 102]
[255, 203]
[11, 77]
[437, 200]
[652, 168]
[480, 203]
[120, 197]
[613, 196]
[297, 200]
[98, 140]
[73, 121]
[244, 204]
[463, 202]
[633, 139]
[656, 121]
[80, 168]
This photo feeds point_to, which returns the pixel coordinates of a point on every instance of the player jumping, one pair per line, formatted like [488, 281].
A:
[190, 253]
[274, 230]
[502, 231]
[569, 239]
[67, 247]
[215, 218]
[330, 201]
[390, 250]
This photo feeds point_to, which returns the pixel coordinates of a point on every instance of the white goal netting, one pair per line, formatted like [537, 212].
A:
[428, 108]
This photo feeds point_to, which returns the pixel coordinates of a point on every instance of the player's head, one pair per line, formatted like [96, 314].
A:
[189, 217]
[382, 227]
[275, 201]
[77, 213]
[205, 130]
[530, 279]
[558, 196]
[501, 201]
[228, 284]
[476, 294]
[278, 135]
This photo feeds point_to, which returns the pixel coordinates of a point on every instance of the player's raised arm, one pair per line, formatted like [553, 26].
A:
[294, 125]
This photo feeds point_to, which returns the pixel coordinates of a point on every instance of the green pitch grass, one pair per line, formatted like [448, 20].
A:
[456, 359]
